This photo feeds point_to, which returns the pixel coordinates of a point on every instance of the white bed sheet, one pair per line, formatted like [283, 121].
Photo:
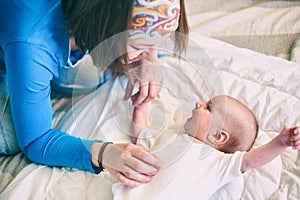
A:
[270, 86]
[268, 26]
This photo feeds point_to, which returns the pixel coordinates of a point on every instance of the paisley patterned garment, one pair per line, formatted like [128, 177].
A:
[152, 19]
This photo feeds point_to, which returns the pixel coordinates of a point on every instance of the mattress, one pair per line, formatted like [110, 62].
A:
[269, 86]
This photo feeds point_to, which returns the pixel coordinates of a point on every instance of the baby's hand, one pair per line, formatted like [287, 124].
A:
[290, 136]
[295, 137]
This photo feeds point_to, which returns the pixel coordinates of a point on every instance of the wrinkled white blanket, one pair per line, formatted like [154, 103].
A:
[269, 86]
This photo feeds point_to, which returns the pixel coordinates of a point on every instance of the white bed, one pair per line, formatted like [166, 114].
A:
[271, 27]
[266, 82]
[270, 86]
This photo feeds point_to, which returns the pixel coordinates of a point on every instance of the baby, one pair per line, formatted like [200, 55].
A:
[224, 123]
[230, 128]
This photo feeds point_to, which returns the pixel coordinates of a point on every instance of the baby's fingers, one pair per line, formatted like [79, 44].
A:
[295, 138]
[296, 131]
[295, 144]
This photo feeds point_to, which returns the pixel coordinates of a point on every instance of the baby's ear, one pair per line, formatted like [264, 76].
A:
[220, 137]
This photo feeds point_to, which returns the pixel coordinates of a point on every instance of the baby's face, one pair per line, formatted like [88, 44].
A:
[206, 118]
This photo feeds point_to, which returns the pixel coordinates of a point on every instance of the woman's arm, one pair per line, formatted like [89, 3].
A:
[264, 154]
[30, 69]
[29, 85]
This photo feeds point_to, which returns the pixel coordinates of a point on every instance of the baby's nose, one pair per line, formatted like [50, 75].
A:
[198, 104]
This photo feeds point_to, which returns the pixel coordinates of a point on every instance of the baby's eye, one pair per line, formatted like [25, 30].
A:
[208, 107]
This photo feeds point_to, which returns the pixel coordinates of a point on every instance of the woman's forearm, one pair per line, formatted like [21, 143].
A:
[56, 148]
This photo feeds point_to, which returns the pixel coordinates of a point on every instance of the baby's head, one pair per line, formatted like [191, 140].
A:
[224, 123]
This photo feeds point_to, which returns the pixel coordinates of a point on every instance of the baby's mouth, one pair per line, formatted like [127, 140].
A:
[188, 119]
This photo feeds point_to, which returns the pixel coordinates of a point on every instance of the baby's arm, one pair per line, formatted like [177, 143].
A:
[139, 119]
[264, 154]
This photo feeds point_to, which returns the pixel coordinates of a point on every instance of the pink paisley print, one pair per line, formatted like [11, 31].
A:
[154, 18]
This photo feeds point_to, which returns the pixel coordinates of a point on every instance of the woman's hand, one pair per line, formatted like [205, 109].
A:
[128, 163]
[147, 72]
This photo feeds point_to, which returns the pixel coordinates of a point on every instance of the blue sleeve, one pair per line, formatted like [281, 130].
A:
[30, 68]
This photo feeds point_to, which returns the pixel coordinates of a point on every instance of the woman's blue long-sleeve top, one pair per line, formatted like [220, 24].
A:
[34, 44]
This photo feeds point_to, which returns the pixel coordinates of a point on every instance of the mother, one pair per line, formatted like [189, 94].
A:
[35, 41]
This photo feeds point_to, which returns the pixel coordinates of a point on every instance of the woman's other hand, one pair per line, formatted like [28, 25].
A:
[147, 72]
[128, 163]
